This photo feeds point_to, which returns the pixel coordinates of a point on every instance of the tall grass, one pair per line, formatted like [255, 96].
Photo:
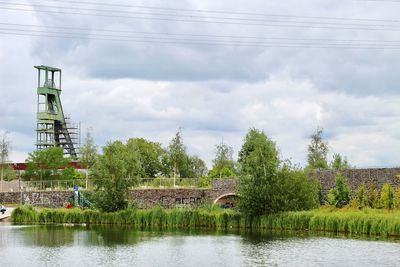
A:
[367, 221]
[146, 218]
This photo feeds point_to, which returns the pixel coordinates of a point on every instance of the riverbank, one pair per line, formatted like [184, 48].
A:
[327, 219]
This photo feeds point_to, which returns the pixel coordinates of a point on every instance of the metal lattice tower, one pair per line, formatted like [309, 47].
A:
[53, 128]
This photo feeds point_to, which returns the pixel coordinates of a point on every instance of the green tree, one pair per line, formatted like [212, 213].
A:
[88, 152]
[224, 172]
[373, 196]
[265, 186]
[197, 166]
[4, 153]
[178, 160]
[387, 196]
[259, 182]
[298, 191]
[150, 156]
[339, 162]
[46, 164]
[113, 173]
[223, 163]
[339, 196]
[362, 196]
[258, 156]
[317, 151]
[397, 198]
[9, 173]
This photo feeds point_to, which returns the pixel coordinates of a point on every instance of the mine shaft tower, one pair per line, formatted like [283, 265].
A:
[53, 128]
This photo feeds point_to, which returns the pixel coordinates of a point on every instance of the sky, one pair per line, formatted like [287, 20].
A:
[215, 69]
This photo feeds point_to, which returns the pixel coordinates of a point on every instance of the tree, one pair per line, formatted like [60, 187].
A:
[397, 198]
[362, 196]
[197, 166]
[46, 164]
[339, 162]
[150, 156]
[223, 163]
[113, 173]
[387, 196]
[9, 173]
[265, 185]
[373, 196]
[177, 157]
[4, 153]
[317, 151]
[88, 152]
[258, 156]
[339, 196]
[298, 191]
[224, 172]
[259, 163]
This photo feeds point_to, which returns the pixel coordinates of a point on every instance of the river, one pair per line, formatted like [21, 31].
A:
[59, 245]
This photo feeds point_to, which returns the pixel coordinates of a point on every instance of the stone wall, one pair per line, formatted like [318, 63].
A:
[176, 197]
[180, 197]
[168, 198]
[145, 198]
[51, 199]
[356, 177]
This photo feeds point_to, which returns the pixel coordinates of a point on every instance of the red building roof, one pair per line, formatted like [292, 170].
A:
[22, 166]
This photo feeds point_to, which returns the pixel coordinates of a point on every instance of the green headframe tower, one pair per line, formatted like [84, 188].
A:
[53, 128]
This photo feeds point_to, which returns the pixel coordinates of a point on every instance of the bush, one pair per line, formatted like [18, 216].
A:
[397, 198]
[361, 196]
[387, 196]
[373, 196]
[339, 196]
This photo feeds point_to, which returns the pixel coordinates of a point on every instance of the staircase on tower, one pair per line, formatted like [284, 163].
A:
[53, 129]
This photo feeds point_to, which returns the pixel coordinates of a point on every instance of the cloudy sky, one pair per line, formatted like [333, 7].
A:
[214, 68]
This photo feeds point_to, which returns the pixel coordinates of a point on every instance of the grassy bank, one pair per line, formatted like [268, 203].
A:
[367, 221]
[141, 218]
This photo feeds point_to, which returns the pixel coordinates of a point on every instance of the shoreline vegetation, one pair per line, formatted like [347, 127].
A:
[325, 219]
[274, 193]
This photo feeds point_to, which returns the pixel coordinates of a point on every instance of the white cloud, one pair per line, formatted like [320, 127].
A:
[126, 90]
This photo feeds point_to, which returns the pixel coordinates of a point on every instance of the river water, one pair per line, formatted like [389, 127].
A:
[60, 245]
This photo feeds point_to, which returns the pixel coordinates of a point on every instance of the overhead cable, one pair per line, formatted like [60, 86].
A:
[270, 24]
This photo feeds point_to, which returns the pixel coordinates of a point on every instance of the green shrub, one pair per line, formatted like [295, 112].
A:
[397, 198]
[339, 196]
[387, 196]
[373, 196]
[361, 196]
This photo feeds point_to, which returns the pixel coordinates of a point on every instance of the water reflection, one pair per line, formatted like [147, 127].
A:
[47, 236]
[58, 245]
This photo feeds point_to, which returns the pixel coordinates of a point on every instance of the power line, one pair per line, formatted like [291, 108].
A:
[174, 42]
[91, 30]
[288, 25]
[223, 42]
[218, 11]
[199, 16]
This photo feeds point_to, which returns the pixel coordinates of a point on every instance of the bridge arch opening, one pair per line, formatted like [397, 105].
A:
[228, 200]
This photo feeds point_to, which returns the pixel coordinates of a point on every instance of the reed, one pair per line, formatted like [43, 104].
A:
[327, 219]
